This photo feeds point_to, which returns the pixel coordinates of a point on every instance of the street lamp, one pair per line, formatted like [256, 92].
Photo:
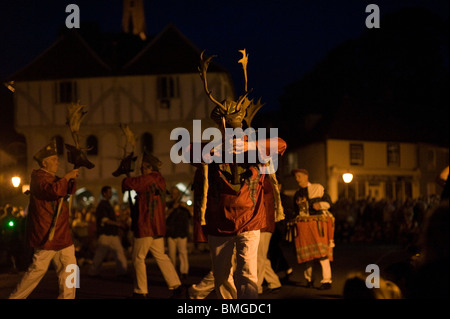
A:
[347, 177]
[15, 181]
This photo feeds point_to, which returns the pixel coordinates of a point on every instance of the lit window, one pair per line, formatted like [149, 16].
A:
[393, 154]
[356, 154]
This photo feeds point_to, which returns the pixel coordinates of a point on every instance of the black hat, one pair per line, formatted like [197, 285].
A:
[46, 151]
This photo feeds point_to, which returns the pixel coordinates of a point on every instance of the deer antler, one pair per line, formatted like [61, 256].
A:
[244, 62]
[203, 68]
[75, 114]
[130, 138]
[251, 111]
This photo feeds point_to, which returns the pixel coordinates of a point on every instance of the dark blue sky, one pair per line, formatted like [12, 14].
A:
[284, 39]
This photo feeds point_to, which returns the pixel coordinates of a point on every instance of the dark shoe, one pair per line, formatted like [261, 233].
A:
[325, 286]
[274, 290]
[183, 276]
[179, 293]
[308, 284]
[138, 296]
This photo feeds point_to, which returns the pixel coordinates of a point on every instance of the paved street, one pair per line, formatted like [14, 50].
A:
[347, 258]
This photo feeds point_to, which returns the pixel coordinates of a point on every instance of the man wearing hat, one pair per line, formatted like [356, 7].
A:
[48, 229]
[149, 226]
[315, 227]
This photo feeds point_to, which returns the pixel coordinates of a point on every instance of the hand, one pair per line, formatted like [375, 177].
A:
[72, 174]
[316, 206]
[238, 145]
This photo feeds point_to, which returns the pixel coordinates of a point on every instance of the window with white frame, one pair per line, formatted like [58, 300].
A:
[393, 154]
[356, 154]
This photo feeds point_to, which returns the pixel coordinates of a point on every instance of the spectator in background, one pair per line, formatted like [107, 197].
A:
[108, 236]
[177, 231]
[11, 237]
[355, 287]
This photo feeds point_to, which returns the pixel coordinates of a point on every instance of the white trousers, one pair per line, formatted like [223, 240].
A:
[326, 270]
[222, 249]
[105, 244]
[265, 271]
[141, 247]
[41, 261]
[179, 245]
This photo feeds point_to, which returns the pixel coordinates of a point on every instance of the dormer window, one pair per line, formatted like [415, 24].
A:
[66, 92]
[168, 87]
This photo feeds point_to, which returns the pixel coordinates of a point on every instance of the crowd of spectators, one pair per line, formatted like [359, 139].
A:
[382, 221]
[16, 256]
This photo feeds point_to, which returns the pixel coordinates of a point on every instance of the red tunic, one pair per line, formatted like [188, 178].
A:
[46, 190]
[150, 219]
[230, 212]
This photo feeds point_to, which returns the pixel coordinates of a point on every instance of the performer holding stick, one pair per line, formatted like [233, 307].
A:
[47, 193]
[48, 228]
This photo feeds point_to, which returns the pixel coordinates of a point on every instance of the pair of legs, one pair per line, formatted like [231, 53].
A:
[179, 245]
[141, 248]
[326, 270]
[265, 271]
[105, 244]
[41, 260]
[207, 285]
[245, 249]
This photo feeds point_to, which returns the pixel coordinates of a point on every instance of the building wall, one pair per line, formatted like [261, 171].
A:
[374, 177]
[412, 176]
[131, 100]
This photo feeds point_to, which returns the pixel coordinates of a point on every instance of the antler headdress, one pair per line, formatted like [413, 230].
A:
[126, 164]
[233, 112]
[76, 155]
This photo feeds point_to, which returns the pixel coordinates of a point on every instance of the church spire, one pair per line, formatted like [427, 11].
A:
[133, 20]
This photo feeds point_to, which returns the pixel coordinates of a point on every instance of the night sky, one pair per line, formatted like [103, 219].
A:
[284, 39]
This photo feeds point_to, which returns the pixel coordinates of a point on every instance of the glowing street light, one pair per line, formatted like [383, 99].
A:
[347, 177]
[15, 181]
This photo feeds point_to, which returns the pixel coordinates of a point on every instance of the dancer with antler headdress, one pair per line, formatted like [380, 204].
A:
[148, 221]
[233, 204]
[48, 228]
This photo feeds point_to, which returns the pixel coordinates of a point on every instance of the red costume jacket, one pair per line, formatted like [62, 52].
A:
[46, 190]
[230, 212]
[149, 219]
